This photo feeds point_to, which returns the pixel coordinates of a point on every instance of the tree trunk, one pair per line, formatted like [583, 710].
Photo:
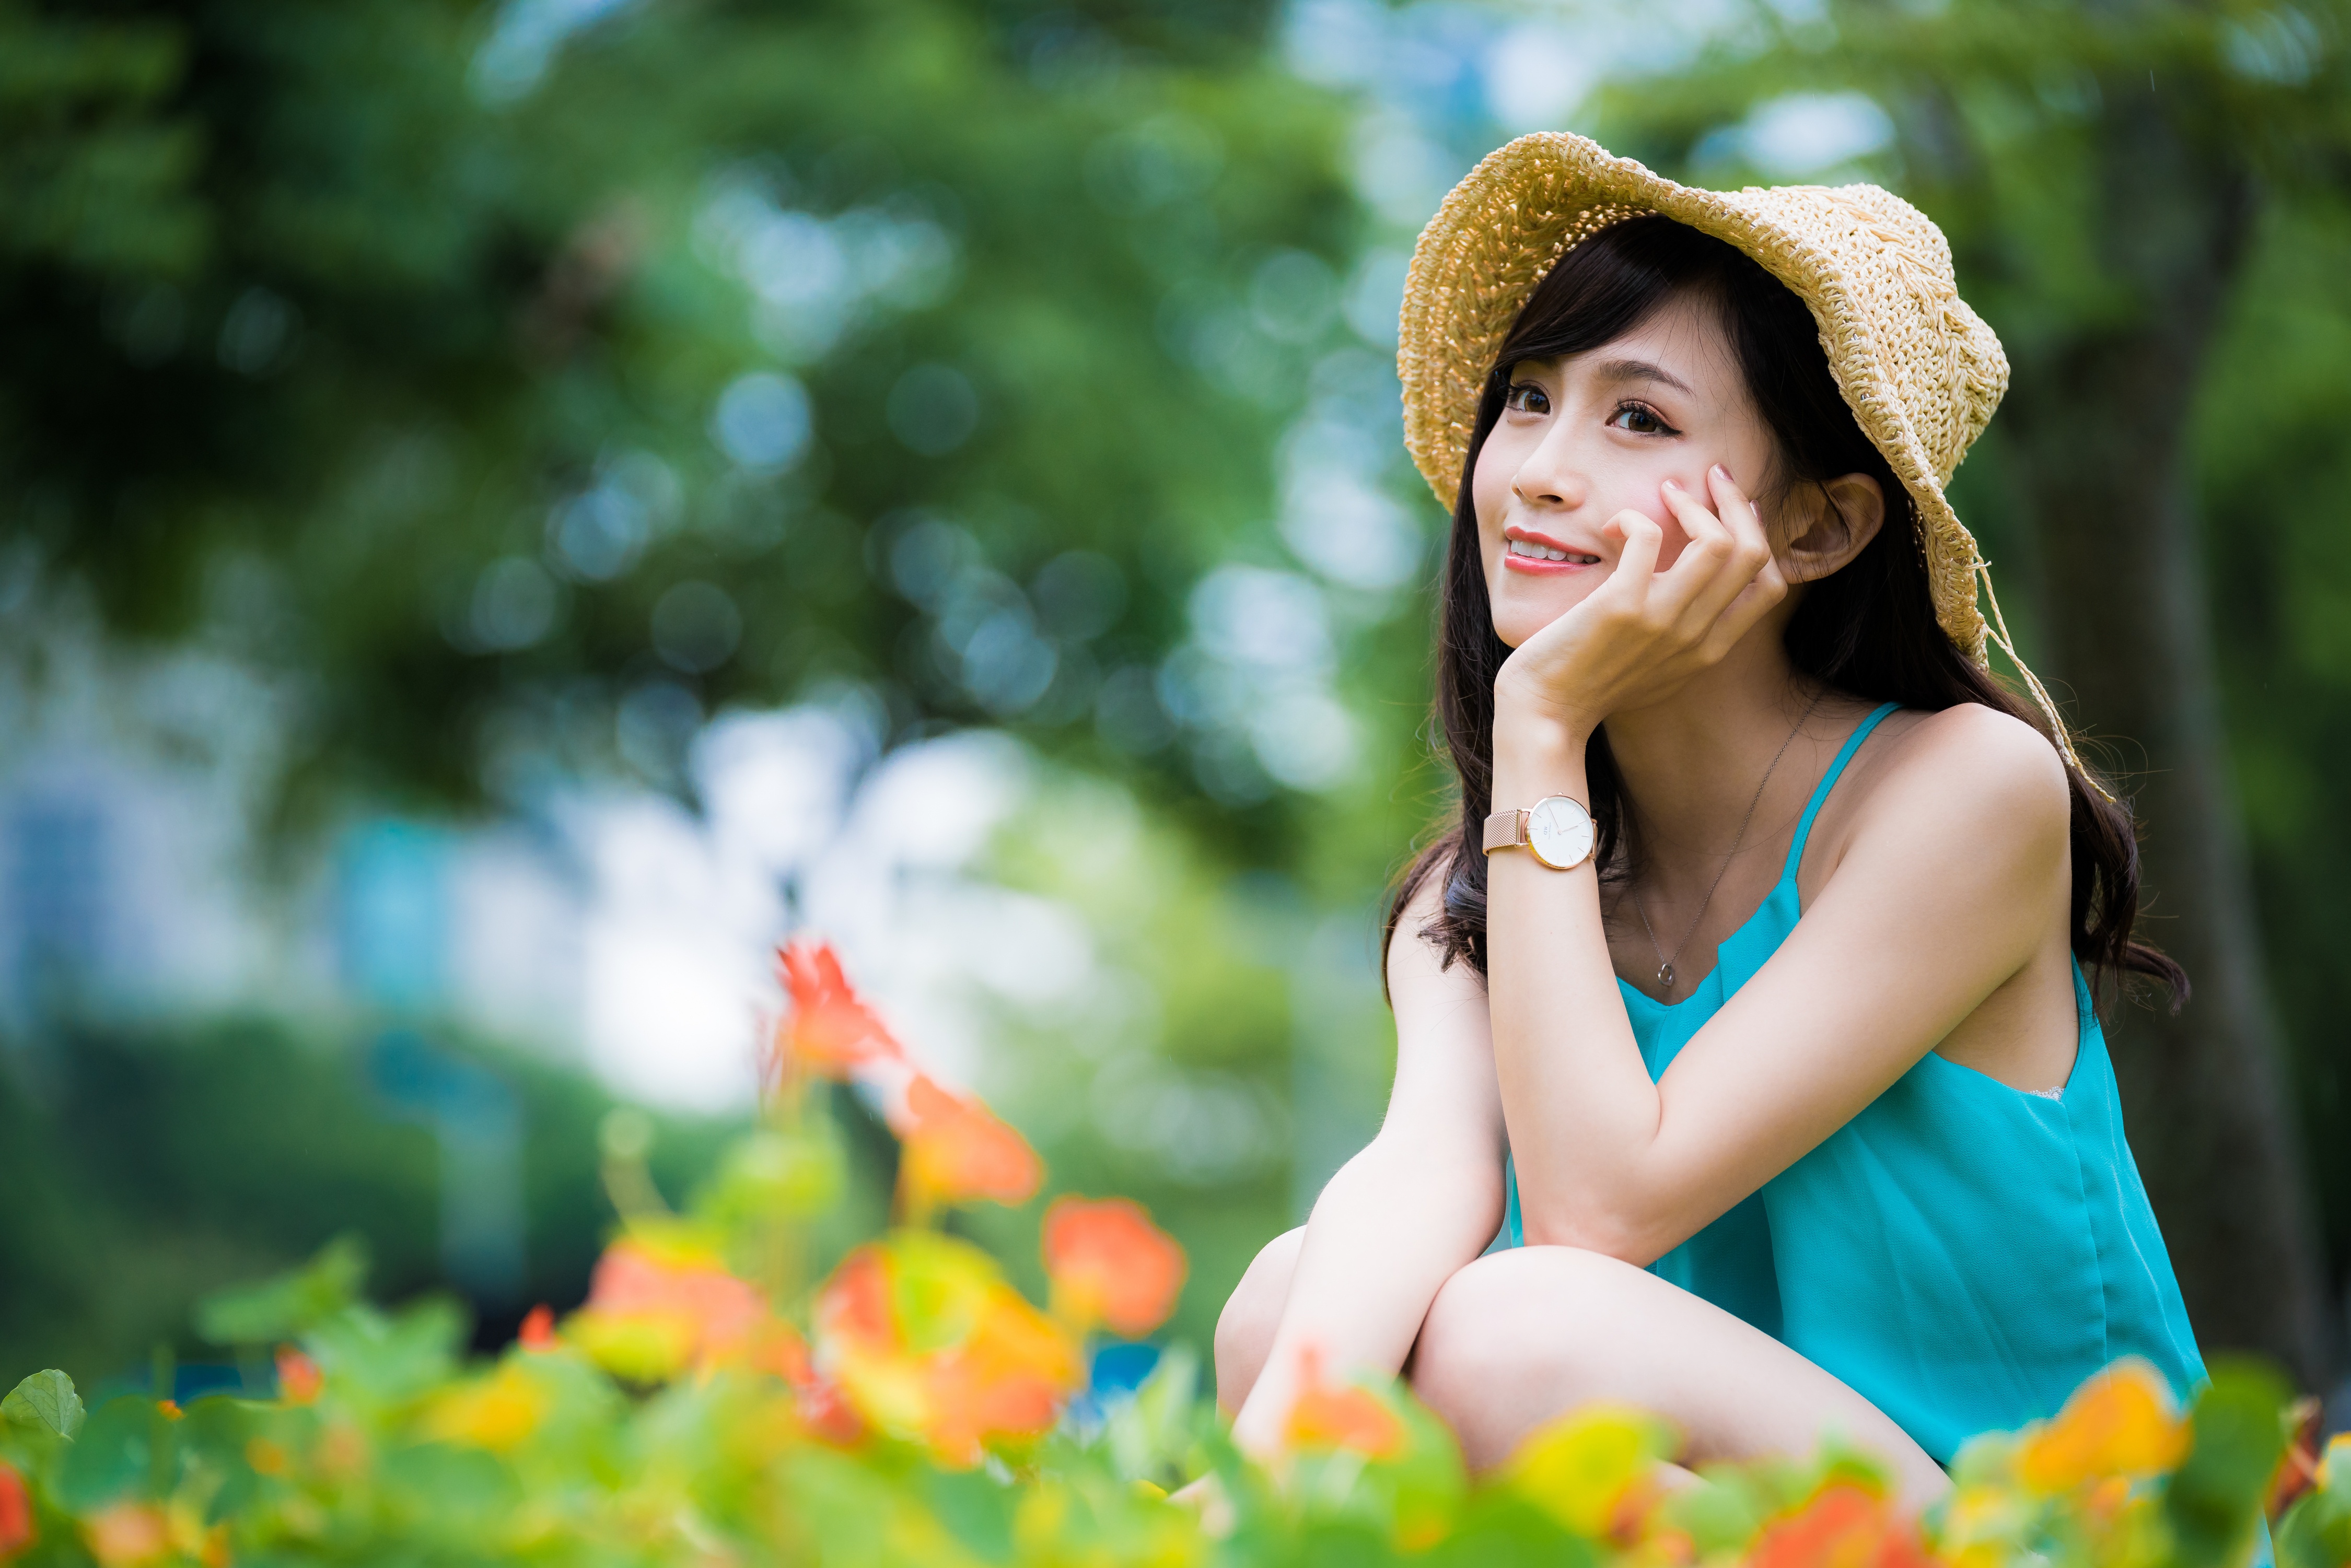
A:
[2098, 420]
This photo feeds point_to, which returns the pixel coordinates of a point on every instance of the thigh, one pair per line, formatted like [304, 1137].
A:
[1519, 1337]
[1245, 1328]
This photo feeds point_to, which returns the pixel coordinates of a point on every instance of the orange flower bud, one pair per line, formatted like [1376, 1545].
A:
[1844, 1526]
[17, 1529]
[1110, 1264]
[1326, 1416]
[299, 1377]
[956, 1150]
[656, 1308]
[537, 1331]
[830, 1031]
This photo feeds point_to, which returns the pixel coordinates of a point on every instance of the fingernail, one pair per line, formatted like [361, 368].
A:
[1673, 484]
[1719, 472]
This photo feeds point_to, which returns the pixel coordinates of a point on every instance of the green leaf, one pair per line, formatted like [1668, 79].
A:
[112, 1455]
[2240, 1433]
[47, 1401]
[975, 1510]
[289, 1304]
[1501, 1530]
[392, 1356]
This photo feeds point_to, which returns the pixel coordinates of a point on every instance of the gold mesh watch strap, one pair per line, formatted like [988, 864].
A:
[1506, 830]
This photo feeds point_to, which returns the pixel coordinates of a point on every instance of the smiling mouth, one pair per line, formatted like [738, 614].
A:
[1530, 551]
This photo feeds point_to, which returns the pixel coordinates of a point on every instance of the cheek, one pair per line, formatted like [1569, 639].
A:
[1489, 500]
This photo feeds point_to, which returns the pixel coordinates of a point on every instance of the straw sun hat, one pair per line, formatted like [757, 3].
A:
[1920, 371]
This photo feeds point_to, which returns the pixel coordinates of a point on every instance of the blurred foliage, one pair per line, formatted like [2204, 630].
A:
[2274, 476]
[144, 1169]
[445, 364]
[912, 1408]
[348, 346]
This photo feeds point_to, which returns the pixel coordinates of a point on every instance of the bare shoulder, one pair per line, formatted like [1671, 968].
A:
[1969, 769]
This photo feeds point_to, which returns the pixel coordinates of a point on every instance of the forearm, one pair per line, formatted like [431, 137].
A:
[1581, 1107]
[1390, 1229]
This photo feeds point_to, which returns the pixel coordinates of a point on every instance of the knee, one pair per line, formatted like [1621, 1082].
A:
[1245, 1328]
[1528, 1313]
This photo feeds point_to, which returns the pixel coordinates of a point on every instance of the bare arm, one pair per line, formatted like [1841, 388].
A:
[1945, 891]
[1423, 1199]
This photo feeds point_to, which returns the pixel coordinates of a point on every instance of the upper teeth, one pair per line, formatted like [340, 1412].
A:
[1544, 552]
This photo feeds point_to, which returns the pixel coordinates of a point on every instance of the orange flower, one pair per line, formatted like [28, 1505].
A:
[2297, 1468]
[1110, 1264]
[831, 1031]
[923, 1339]
[17, 1529]
[1844, 1526]
[2120, 1423]
[655, 1307]
[299, 1377]
[955, 1150]
[1345, 1417]
[126, 1535]
[537, 1331]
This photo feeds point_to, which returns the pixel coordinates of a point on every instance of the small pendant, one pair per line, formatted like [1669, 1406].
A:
[1665, 976]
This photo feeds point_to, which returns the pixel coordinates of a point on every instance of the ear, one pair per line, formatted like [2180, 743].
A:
[1828, 523]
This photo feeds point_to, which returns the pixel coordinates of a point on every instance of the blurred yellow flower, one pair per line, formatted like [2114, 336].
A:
[127, 1534]
[498, 1412]
[1593, 1467]
[2121, 1423]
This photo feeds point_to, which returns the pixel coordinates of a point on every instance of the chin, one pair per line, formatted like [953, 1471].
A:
[1521, 609]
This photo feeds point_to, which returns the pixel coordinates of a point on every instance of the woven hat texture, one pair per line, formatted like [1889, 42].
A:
[1920, 371]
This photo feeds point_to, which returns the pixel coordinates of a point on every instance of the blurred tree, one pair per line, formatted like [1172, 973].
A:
[511, 386]
[145, 1168]
[515, 396]
[2104, 171]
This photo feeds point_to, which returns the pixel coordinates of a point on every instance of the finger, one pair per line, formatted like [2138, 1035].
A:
[1703, 579]
[1749, 546]
[1739, 514]
[1637, 563]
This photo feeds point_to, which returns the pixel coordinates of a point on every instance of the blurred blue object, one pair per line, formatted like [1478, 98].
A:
[475, 1116]
[391, 913]
[1121, 1369]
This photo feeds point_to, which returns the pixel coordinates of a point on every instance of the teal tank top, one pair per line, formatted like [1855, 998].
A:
[1961, 1253]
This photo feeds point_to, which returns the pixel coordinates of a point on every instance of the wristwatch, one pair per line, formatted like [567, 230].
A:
[1556, 830]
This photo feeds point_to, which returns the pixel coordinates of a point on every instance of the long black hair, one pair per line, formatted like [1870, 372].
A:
[1868, 630]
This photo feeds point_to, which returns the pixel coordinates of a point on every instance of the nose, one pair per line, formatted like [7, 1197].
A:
[1549, 477]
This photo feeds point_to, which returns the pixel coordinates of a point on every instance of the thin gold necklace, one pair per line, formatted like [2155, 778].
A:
[1666, 959]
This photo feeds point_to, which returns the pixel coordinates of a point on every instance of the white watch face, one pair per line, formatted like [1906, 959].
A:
[1558, 832]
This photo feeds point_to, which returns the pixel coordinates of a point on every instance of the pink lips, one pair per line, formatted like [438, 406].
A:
[1534, 568]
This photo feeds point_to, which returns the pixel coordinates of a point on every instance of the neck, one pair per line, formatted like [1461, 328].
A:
[1689, 766]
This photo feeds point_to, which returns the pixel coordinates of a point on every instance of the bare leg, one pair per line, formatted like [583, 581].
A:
[1517, 1337]
[1245, 1328]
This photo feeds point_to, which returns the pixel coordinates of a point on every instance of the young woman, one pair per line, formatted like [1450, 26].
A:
[1748, 996]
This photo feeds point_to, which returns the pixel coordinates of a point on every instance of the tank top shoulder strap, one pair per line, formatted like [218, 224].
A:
[1828, 782]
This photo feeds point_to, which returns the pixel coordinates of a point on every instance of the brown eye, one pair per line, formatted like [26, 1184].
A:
[1525, 397]
[1640, 421]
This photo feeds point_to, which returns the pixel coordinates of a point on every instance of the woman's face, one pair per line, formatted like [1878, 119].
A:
[1582, 438]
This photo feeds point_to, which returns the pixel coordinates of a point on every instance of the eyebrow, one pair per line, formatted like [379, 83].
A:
[1638, 370]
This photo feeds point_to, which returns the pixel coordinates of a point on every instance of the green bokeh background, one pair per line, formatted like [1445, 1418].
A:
[484, 283]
